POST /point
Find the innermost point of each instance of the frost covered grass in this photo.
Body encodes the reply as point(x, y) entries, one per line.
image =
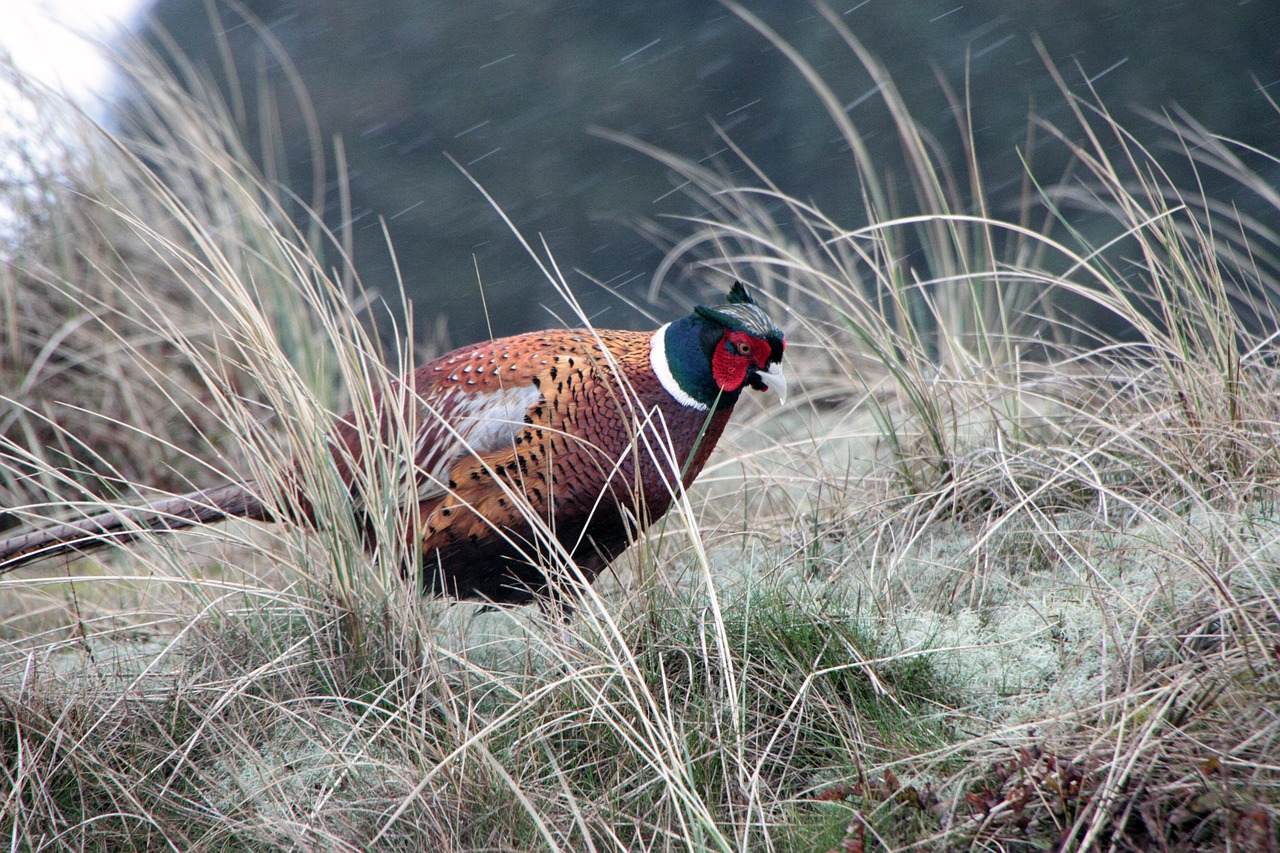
point(994, 582)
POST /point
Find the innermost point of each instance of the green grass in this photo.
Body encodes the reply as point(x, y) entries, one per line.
point(990, 583)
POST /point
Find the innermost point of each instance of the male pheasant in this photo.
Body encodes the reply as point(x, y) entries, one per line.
point(569, 441)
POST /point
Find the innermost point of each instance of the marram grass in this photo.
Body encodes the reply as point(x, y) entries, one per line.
point(994, 582)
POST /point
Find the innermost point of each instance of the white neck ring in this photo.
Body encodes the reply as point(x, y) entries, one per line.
point(662, 368)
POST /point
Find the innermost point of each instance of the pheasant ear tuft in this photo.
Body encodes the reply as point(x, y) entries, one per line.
point(738, 295)
point(740, 312)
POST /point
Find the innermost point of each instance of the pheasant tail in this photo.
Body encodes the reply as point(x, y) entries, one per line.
point(235, 500)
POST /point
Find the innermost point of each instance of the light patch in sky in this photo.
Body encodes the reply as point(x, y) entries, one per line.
point(57, 41)
point(57, 44)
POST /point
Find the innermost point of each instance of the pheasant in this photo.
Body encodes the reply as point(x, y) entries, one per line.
point(529, 450)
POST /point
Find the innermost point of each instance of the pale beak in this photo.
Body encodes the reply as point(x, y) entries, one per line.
point(774, 379)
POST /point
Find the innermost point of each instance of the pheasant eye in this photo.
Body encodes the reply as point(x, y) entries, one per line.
point(744, 348)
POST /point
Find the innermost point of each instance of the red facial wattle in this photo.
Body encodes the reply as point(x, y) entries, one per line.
point(736, 353)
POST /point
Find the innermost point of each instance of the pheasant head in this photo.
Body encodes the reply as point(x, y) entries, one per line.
point(706, 359)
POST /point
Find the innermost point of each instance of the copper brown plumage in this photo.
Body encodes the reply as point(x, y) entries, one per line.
point(595, 427)
point(529, 451)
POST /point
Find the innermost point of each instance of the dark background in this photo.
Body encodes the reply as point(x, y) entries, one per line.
point(510, 89)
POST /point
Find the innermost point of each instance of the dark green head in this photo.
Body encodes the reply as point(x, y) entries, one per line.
point(707, 358)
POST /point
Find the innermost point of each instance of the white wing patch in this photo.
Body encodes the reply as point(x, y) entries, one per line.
point(459, 424)
point(490, 420)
